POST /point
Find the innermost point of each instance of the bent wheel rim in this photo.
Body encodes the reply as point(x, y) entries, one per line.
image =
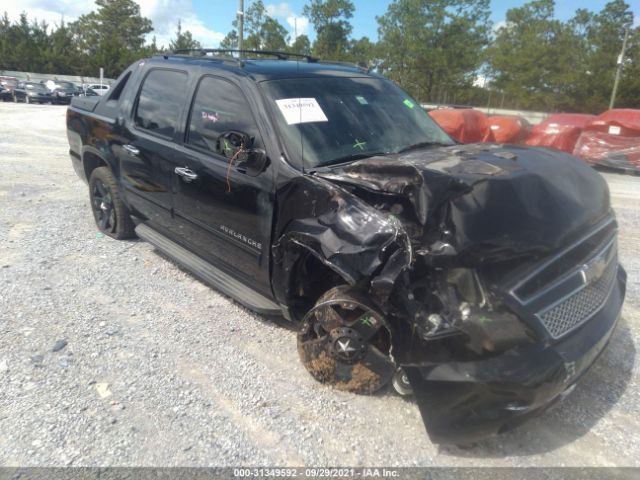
point(346, 344)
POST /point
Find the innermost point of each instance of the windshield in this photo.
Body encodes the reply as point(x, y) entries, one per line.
point(333, 120)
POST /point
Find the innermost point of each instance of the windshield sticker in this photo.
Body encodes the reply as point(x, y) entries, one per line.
point(362, 100)
point(409, 103)
point(210, 116)
point(301, 110)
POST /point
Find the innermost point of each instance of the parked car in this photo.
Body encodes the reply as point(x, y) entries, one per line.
point(8, 83)
point(100, 89)
point(483, 277)
point(5, 95)
point(32, 92)
point(87, 92)
point(61, 91)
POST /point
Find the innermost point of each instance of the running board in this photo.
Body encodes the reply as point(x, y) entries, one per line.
point(208, 273)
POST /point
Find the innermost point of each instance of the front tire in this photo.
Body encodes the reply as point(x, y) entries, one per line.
point(109, 211)
point(346, 342)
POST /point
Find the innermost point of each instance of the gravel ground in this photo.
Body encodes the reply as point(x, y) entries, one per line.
point(156, 369)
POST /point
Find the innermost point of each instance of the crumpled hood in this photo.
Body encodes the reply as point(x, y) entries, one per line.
point(486, 199)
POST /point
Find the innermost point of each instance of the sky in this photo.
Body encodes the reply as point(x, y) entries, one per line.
point(210, 20)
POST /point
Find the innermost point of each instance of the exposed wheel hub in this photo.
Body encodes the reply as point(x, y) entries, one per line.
point(347, 345)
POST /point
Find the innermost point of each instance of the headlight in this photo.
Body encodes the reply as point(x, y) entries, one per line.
point(61, 94)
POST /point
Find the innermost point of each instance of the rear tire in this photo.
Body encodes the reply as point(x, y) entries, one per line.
point(109, 211)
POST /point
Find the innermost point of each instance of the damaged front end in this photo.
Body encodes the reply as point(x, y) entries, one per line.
point(488, 273)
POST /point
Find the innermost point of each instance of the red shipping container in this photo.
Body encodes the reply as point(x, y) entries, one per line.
point(508, 128)
point(616, 151)
point(463, 124)
point(560, 131)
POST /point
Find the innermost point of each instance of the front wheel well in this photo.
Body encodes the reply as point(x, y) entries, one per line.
point(309, 280)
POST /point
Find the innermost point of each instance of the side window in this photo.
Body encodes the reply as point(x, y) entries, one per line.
point(161, 100)
point(218, 107)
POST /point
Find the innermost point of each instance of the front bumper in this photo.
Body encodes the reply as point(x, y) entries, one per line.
point(466, 401)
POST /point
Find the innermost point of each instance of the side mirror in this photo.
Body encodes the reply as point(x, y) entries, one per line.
point(231, 142)
point(256, 161)
point(239, 145)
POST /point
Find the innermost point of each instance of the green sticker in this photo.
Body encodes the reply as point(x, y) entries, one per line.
point(362, 100)
point(409, 103)
point(367, 320)
point(359, 144)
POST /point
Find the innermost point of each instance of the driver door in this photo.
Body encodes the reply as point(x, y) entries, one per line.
point(220, 211)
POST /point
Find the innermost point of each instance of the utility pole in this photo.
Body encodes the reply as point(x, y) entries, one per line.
point(619, 69)
point(240, 26)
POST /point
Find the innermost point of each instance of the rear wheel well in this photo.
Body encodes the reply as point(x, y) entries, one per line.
point(90, 162)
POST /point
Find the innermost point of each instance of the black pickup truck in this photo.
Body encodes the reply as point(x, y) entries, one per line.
point(483, 279)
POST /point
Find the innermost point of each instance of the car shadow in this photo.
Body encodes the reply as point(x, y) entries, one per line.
point(595, 395)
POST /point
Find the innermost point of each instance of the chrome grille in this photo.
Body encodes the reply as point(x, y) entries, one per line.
point(581, 305)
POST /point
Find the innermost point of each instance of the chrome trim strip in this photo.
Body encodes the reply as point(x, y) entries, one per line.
point(555, 258)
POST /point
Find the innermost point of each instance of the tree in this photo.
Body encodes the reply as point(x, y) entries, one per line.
point(433, 47)
point(60, 54)
point(261, 32)
point(530, 56)
point(230, 41)
point(301, 45)
point(273, 36)
point(112, 36)
point(362, 51)
point(544, 64)
point(330, 19)
point(629, 91)
point(603, 40)
point(183, 41)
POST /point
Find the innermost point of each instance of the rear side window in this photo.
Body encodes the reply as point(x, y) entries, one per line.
point(160, 102)
point(218, 107)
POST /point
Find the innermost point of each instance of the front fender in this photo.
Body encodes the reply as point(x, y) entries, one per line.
point(343, 232)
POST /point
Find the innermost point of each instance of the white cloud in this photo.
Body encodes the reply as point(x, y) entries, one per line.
point(163, 14)
point(51, 11)
point(282, 11)
point(498, 25)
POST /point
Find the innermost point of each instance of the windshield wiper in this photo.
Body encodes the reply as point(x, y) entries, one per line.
point(351, 157)
point(418, 145)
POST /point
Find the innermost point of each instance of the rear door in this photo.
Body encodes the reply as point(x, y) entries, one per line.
point(223, 213)
point(147, 148)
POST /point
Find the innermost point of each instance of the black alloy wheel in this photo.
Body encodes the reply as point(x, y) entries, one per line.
point(110, 213)
point(103, 208)
point(345, 342)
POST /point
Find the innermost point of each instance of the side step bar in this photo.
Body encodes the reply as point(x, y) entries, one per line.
point(208, 273)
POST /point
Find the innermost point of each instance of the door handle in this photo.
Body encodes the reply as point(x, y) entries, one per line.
point(131, 150)
point(187, 174)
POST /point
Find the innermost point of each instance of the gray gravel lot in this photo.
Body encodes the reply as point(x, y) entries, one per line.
point(158, 369)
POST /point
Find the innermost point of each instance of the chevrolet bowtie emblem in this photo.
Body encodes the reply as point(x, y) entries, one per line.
point(593, 270)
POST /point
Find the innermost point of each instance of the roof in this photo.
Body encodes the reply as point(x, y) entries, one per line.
point(269, 69)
